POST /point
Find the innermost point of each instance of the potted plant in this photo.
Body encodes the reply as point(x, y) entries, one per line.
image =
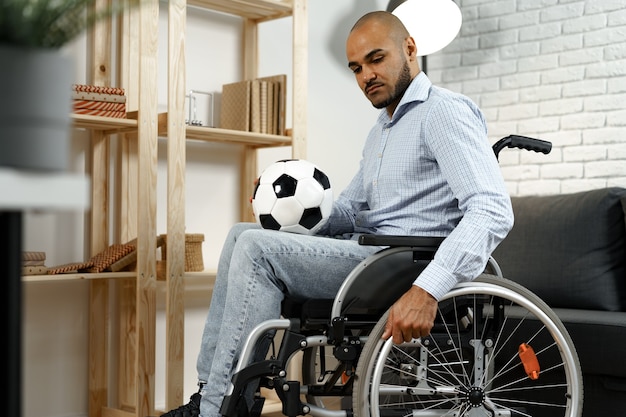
point(36, 77)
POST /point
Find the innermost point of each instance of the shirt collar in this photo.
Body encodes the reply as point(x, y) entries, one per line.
point(417, 91)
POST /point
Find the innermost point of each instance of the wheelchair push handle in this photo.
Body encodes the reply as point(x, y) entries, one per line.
point(522, 142)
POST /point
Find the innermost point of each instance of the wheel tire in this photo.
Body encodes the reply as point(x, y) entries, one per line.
point(506, 385)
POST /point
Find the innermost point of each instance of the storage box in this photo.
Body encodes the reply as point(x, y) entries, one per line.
point(193, 252)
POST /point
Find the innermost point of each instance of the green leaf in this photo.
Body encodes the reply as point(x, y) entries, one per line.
point(51, 23)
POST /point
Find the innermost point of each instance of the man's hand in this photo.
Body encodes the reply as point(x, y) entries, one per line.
point(256, 181)
point(412, 316)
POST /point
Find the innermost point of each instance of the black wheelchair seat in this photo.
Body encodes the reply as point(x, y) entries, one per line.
point(373, 286)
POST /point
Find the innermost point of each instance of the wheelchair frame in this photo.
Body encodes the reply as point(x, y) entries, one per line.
point(478, 361)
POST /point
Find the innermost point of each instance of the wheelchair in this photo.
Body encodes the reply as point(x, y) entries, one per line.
point(496, 349)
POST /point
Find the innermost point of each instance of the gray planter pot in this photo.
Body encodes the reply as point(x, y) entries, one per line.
point(35, 108)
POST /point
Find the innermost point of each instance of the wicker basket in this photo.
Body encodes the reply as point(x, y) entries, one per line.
point(193, 252)
point(161, 270)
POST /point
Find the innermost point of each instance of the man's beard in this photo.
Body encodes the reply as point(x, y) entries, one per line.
point(404, 79)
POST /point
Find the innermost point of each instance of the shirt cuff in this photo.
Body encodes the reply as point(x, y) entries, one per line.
point(435, 280)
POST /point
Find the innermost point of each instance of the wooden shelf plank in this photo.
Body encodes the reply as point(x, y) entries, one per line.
point(252, 9)
point(213, 134)
point(198, 284)
point(200, 278)
point(79, 276)
point(238, 137)
point(109, 125)
point(194, 281)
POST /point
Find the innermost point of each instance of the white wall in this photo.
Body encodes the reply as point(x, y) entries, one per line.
point(551, 68)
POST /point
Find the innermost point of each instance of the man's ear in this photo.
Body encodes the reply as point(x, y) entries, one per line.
point(411, 48)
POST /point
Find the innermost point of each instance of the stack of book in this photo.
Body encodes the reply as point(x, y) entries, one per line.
point(99, 101)
point(255, 105)
point(34, 263)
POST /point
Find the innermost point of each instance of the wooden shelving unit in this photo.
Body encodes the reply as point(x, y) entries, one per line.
point(134, 203)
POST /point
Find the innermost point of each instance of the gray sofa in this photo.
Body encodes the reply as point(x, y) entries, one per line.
point(571, 251)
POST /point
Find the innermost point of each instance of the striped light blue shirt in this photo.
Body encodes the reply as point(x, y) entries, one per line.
point(430, 171)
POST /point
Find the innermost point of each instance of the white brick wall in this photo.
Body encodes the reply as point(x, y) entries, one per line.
point(551, 69)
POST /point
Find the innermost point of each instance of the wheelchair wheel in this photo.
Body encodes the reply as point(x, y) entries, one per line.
point(496, 350)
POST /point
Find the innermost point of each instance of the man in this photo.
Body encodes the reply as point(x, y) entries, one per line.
point(427, 169)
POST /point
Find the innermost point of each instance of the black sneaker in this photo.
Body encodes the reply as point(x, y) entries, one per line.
point(191, 409)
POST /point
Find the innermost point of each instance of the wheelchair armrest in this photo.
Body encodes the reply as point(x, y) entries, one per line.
point(396, 240)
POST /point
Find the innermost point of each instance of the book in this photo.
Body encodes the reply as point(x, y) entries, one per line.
point(98, 89)
point(255, 106)
point(103, 113)
point(33, 256)
point(271, 113)
point(86, 95)
point(280, 100)
point(98, 105)
point(235, 107)
point(264, 106)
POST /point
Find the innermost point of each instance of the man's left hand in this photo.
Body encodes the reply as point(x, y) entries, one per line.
point(412, 316)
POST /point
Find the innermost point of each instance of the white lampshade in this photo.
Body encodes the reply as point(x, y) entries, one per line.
point(432, 23)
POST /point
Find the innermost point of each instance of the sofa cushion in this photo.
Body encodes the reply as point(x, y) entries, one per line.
point(569, 249)
point(599, 337)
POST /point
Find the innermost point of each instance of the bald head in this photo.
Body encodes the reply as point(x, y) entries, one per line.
point(386, 22)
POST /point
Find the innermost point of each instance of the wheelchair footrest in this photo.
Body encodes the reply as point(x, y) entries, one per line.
point(257, 407)
point(289, 394)
point(233, 403)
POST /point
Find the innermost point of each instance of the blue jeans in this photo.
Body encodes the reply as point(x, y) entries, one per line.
point(256, 269)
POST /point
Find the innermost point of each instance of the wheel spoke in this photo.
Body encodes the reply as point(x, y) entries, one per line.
point(470, 364)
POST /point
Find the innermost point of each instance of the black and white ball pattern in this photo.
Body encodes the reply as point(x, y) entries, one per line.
point(292, 195)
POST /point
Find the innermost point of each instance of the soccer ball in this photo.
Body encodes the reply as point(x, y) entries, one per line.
point(292, 195)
